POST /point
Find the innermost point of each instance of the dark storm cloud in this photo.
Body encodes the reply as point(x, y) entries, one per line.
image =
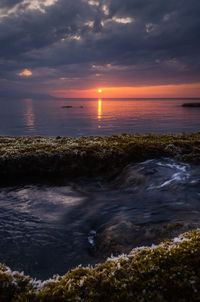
point(9, 3)
point(118, 42)
point(29, 29)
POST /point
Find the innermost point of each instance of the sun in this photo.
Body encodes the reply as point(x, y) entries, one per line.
point(99, 90)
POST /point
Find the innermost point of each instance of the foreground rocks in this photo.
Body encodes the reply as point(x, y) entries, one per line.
point(39, 156)
point(167, 272)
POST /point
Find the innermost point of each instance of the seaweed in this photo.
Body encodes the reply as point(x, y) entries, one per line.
point(167, 272)
point(92, 155)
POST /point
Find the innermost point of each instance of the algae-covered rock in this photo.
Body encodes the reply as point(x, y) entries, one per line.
point(25, 156)
point(167, 272)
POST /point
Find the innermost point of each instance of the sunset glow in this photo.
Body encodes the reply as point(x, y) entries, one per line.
point(162, 91)
point(91, 55)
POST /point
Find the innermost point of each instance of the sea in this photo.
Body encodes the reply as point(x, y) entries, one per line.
point(50, 226)
point(85, 117)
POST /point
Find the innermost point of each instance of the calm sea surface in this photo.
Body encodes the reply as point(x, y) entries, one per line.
point(97, 116)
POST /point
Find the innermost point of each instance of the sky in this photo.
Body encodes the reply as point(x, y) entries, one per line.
point(71, 48)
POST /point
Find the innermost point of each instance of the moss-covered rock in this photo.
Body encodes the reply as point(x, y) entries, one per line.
point(167, 272)
point(90, 155)
point(121, 236)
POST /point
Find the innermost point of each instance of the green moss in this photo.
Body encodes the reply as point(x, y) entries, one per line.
point(167, 272)
point(14, 285)
point(116, 143)
point(91, 155)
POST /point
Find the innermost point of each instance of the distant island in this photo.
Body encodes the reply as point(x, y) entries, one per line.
point(191, 105)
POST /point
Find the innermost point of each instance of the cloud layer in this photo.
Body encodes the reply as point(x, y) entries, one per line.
point(76, 44)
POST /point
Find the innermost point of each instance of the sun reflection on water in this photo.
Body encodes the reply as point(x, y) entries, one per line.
point(99, 109)
point(29, 115)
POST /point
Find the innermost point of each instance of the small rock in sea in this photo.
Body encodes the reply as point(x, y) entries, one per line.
point(67, 106)
point(81, 107)
point(191, 105)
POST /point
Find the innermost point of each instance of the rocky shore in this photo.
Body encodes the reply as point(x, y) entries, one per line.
point(167, 272)
point(39, 156)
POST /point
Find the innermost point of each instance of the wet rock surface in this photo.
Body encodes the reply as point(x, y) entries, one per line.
point(123, 236)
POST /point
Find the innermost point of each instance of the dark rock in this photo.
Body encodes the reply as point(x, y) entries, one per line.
point(67, 106)
point(191, 105)
point(122, 236)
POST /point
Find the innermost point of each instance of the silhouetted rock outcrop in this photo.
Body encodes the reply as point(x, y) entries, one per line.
point(191, 105)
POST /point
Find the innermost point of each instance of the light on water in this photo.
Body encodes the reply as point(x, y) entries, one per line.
point(99, 109)
point(77, 117)
point(30, 116)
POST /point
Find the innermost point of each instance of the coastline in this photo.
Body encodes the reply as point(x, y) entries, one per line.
point(89, 156)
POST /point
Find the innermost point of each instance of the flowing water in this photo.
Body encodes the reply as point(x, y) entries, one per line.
point(49, 228)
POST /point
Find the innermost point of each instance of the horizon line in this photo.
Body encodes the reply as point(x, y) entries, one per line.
point(139, 98)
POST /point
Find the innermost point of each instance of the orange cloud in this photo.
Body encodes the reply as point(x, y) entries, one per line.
point(25, 73)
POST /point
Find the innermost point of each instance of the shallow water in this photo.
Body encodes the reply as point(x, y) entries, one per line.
point(48, 228)
point(97, 116)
